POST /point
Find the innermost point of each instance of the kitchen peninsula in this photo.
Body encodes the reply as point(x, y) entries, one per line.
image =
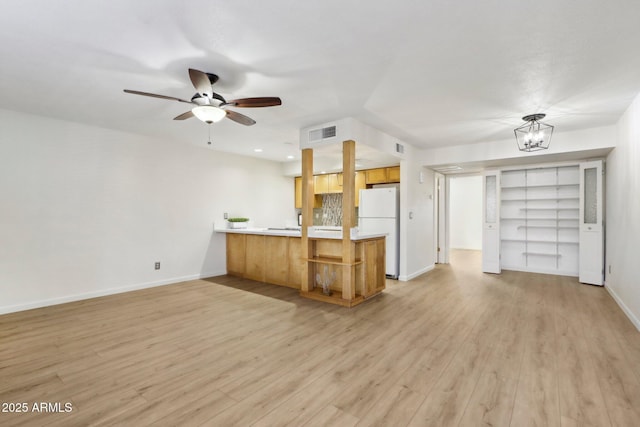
point(339, 266)
point(275, 256)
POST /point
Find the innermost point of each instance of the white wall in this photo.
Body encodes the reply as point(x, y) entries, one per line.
point(417, 234)
point(86, 211)
point(465, 212)
point(623, 214)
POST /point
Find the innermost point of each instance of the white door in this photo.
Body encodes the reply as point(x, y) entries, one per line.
point(491, 222)
point(591, 268)
point(442, 248)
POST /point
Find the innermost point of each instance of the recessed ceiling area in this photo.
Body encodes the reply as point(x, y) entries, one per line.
point(432, 74)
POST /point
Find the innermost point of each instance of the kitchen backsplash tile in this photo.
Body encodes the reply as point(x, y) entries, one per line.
point(332, 209)
point(317, 216)
point(330, 214)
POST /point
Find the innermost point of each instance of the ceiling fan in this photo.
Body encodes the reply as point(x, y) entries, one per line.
point(211, 107)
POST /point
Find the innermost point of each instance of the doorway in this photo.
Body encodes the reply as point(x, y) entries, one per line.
point(459, 215)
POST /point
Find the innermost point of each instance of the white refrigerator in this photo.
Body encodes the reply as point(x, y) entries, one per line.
point(379, 213)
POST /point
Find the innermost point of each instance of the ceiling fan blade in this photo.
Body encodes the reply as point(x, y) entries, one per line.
point(154, 95)
point(201, 82)
point(184, 116)
point(240, 118)
point(256, 102)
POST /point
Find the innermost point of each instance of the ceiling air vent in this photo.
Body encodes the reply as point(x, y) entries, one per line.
point(399, 148)
point(316, 135)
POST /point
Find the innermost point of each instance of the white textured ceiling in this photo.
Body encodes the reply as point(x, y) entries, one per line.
point(432, 73)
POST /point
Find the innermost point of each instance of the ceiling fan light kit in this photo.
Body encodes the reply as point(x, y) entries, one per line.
point(533, 135)
point(210, 107)
point(209, 113)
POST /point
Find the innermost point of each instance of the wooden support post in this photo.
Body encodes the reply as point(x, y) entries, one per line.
point(348, 219)
point(307, 219)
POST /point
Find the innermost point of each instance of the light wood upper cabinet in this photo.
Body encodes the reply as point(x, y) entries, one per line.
point(321, 184)
point(383, 175)
point(332, 183)
point(317, 200)
point(393, 174)
point(376, 176)
point(335, 183)
point(298, 189)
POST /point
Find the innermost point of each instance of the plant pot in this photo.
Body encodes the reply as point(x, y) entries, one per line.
point(236, 225)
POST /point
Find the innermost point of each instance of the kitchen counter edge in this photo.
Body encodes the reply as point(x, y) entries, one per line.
point(335, 235)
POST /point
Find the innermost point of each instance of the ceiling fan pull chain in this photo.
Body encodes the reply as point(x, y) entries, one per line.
point(209, 134)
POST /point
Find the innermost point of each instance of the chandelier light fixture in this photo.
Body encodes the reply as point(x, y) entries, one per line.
point(533, 135)
point(209, 113)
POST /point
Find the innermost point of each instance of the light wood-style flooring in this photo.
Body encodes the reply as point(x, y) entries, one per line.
point(454, 347)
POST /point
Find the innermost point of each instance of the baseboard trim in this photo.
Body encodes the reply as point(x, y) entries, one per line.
point(408, 277)
point(625, 309)
point(541, 271)
point(104, 292)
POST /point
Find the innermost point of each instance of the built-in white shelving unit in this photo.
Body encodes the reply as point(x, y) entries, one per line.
point(539, 219)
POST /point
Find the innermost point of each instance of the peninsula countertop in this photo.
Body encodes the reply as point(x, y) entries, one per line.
point(315, 232)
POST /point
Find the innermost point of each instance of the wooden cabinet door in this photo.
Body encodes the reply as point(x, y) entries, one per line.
point(376, 176)
point(276, 266)
point(321, 184)
point(295, 262)
point(393, 174)
point(236, 245)
point(298, 192)
point(254, 250)
point(335, 183)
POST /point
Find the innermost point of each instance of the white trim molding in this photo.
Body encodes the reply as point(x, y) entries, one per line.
point(625, 309)
point(105, 292)
point(413, 275)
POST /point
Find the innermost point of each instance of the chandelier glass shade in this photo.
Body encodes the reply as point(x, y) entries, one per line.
point(533, 135)
point(209, 113)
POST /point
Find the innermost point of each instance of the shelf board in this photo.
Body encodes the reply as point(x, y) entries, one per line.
point(334, 298)
point(539, 186)
point(540, 219)
point(561, 227)
point(550, 209)
point(552, 199)
point(541, 254)
point(540, 241)
point(331, 260)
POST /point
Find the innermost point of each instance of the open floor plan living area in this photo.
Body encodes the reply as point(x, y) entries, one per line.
point(321, 213)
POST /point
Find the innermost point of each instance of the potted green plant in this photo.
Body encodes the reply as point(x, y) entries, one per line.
point(238, 222)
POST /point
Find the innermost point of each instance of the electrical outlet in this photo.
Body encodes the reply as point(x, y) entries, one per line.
point(226, 215)
point(157, 265)
point(609, 268)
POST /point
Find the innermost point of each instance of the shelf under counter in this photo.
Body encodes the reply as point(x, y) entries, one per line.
point(332, 261)
point(334, 298)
